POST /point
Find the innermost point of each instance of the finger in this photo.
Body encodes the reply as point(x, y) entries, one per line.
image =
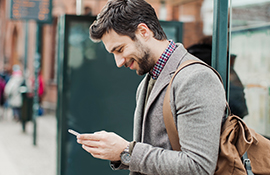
point(100, 132)
point(95, 137)
point(89, 143)
point(94, 151)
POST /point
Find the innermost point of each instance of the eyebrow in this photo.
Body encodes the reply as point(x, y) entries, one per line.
point(114, 48)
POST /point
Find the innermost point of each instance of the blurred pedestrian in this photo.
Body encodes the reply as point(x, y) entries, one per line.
point(2, 98)
point(2, 87)
point(41, 91)
point(6, 73)
point(12, 92)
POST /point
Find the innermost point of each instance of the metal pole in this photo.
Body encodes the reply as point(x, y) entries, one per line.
point(36, 83)
point(2, 40)
point(220, 32)
point(25, 50)
point(229, 50)
point(25, 70)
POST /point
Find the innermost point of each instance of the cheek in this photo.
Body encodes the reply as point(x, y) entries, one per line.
point(130, 55)
point(132, 52)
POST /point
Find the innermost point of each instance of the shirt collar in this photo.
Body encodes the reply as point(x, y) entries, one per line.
point(162, 60)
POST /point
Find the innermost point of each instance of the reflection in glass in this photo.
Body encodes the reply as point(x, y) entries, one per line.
point(170, 32)
point(80, 46)
point(250, 41)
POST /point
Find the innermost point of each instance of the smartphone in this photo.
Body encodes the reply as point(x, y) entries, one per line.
point(73, 132)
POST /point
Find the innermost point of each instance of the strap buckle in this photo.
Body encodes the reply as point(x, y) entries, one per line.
point(247, 165)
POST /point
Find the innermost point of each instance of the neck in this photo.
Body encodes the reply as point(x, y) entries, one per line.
point(158, 48)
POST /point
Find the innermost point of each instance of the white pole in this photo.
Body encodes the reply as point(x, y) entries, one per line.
point(79, 7)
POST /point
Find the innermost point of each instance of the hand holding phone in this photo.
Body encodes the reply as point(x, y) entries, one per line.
point(73, 132)
point(103, 145)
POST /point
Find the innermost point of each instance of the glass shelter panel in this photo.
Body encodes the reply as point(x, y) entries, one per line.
point(197, 18)
point(250, 59)
point(93, 94)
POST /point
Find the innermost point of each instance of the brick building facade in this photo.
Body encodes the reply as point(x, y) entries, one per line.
point(12, 35)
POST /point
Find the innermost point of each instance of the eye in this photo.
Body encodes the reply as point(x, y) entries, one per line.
point(120, 50)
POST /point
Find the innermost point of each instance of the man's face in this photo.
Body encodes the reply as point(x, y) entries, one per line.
point(133, 54)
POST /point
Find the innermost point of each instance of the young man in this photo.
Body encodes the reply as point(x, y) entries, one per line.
point(131, 31)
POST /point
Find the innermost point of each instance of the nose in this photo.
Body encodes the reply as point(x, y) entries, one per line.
point(119, 60)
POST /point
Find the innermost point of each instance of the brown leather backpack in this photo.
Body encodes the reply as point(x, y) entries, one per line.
point(236, 139)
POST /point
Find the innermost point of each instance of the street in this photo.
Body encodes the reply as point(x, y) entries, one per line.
point(18, 155)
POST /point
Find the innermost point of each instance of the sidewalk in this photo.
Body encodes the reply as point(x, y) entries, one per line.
point(18, 155)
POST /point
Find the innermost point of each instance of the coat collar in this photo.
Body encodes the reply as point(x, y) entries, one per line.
point(166, 74)
point(161, 83)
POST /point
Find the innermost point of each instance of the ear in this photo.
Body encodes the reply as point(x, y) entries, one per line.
point(143, 31)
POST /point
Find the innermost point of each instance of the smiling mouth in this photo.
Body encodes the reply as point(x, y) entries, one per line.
point(130, 63)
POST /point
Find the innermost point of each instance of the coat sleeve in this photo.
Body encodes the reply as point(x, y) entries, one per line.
point(198, 105)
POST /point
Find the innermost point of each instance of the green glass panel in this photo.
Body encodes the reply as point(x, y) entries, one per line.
point(93, 95)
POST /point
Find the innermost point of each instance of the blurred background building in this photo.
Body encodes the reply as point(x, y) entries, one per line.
point(12, 36)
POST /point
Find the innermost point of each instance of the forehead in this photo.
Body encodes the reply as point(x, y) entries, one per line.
point(112, 39)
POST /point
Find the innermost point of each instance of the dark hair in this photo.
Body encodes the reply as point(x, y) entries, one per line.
point(123, 16)
point(202, 51)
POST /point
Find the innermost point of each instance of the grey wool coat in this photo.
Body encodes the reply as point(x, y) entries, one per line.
point(198, 104)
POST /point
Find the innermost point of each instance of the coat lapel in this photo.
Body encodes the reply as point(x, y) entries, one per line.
point(164, 79)
point(138, 115)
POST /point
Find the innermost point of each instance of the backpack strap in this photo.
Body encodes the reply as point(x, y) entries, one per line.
point(169, 120)
point(167, 113)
